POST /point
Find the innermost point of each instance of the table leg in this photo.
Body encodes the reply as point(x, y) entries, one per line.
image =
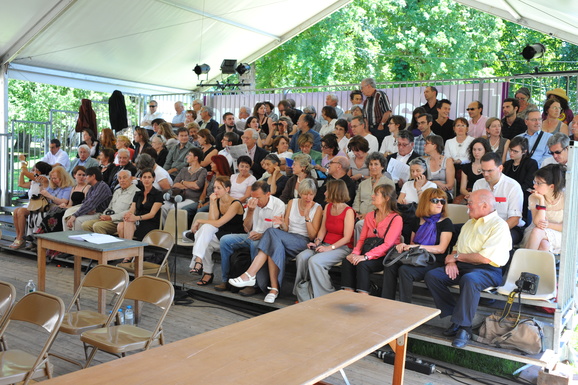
point(400, 349)
point(41, 260)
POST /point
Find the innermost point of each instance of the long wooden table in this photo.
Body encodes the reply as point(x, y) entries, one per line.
point(102, 253)
point(299, 344)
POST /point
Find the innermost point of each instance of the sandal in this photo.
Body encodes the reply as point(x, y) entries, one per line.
point(271, 297)
point(18, 244)
point(204, 282)
point(239, 282)
point(197, 268)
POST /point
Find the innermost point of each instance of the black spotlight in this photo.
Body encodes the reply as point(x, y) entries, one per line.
point(242, 68)
point(202, 69)
point(534, 51)
point(228, 66)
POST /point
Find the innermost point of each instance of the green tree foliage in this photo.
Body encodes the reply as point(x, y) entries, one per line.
point(400, 40)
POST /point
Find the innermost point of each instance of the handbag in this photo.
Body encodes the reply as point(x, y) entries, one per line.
point(371, 243)
point(416, 256)
point(38, 203)
point(510, 332)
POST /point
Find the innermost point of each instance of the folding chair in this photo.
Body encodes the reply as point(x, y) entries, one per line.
point(121, 339)
point(101, 277)
point(45, 311)
point(7, 299)
point(181, 225)
point(157, 240)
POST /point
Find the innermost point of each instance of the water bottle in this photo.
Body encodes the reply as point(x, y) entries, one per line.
point(128, 316)
point(30, 287)
point(120, 317)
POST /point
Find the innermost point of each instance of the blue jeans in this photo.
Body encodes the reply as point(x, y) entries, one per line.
point(230, 243)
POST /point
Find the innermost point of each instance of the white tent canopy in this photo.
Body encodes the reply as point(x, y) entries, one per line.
point(146, 42)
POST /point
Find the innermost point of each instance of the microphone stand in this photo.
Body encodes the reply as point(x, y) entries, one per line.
point(179, 293)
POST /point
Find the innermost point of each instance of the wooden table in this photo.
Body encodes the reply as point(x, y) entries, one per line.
point(299, 344)
point(103, 253)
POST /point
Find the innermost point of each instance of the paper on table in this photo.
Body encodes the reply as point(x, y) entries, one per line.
point(96, 238)
point(398, 170)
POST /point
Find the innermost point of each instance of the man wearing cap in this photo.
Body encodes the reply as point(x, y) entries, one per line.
point(523, 96)
point(558, 94)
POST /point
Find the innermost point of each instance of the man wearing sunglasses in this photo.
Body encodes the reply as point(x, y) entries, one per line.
point(152, 114)
point(558, 145)
point(477, 122)
point(474, 264)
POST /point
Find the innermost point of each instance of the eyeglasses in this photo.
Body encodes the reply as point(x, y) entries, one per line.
point(534, 120)
point(325, 147)
point(403, 144)
point(435, 201)
point(514, 151)
point(558, 152)
point(470, 109)
point(524, 99)
point(538, 183)
point(152, 106)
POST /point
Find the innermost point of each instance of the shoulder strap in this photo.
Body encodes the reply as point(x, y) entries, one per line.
point(536, 143)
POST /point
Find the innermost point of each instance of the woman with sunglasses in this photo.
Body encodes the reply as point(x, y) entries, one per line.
point(432, 231)
point(384, 222)
point(521, 167)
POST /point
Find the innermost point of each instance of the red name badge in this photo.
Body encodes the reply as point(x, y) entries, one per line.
point(268, 220)
point(501, 199)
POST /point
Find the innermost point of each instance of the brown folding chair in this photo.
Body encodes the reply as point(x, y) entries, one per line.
point(101, 277)
point(157, 240)
point(121, 339)
point(7, 299)
point(45, 311)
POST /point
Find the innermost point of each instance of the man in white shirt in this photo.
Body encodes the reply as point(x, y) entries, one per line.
point(477, 122)
point(56, 157)
point(261, 209)
point(244, 113)
point(332, 100)
point(179, 118)
point(507, 191)
point(359, 127)
point(558, 145)
point(152, 115)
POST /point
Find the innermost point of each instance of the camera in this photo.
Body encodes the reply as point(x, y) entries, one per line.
point(528, 283)
point(109, 212)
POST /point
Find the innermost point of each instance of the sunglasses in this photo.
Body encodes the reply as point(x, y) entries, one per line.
point(435, 201)
point(470, 109)
point(557, 152)
point(150, 105)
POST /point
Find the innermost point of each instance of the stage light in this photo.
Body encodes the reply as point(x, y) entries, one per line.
point(242, 68)
point(228, 66)
point(201, 69)
point(534, 51)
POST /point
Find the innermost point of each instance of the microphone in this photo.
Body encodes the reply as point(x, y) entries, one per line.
point(167, 196)
point(178, 199)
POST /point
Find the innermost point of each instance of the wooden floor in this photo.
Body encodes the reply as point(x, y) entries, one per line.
point(200, 316)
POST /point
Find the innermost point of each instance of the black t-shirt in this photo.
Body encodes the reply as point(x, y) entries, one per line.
point(518, 127)
point(446, 131)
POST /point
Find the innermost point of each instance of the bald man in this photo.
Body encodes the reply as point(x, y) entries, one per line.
point(483, 247)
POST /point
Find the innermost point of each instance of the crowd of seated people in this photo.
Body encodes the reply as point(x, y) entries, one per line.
point(316, 189)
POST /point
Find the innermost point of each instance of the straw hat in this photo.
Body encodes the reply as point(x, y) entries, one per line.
point(558, 92)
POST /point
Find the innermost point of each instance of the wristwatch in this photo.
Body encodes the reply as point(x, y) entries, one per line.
point(456, 256)
point(332, 247)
